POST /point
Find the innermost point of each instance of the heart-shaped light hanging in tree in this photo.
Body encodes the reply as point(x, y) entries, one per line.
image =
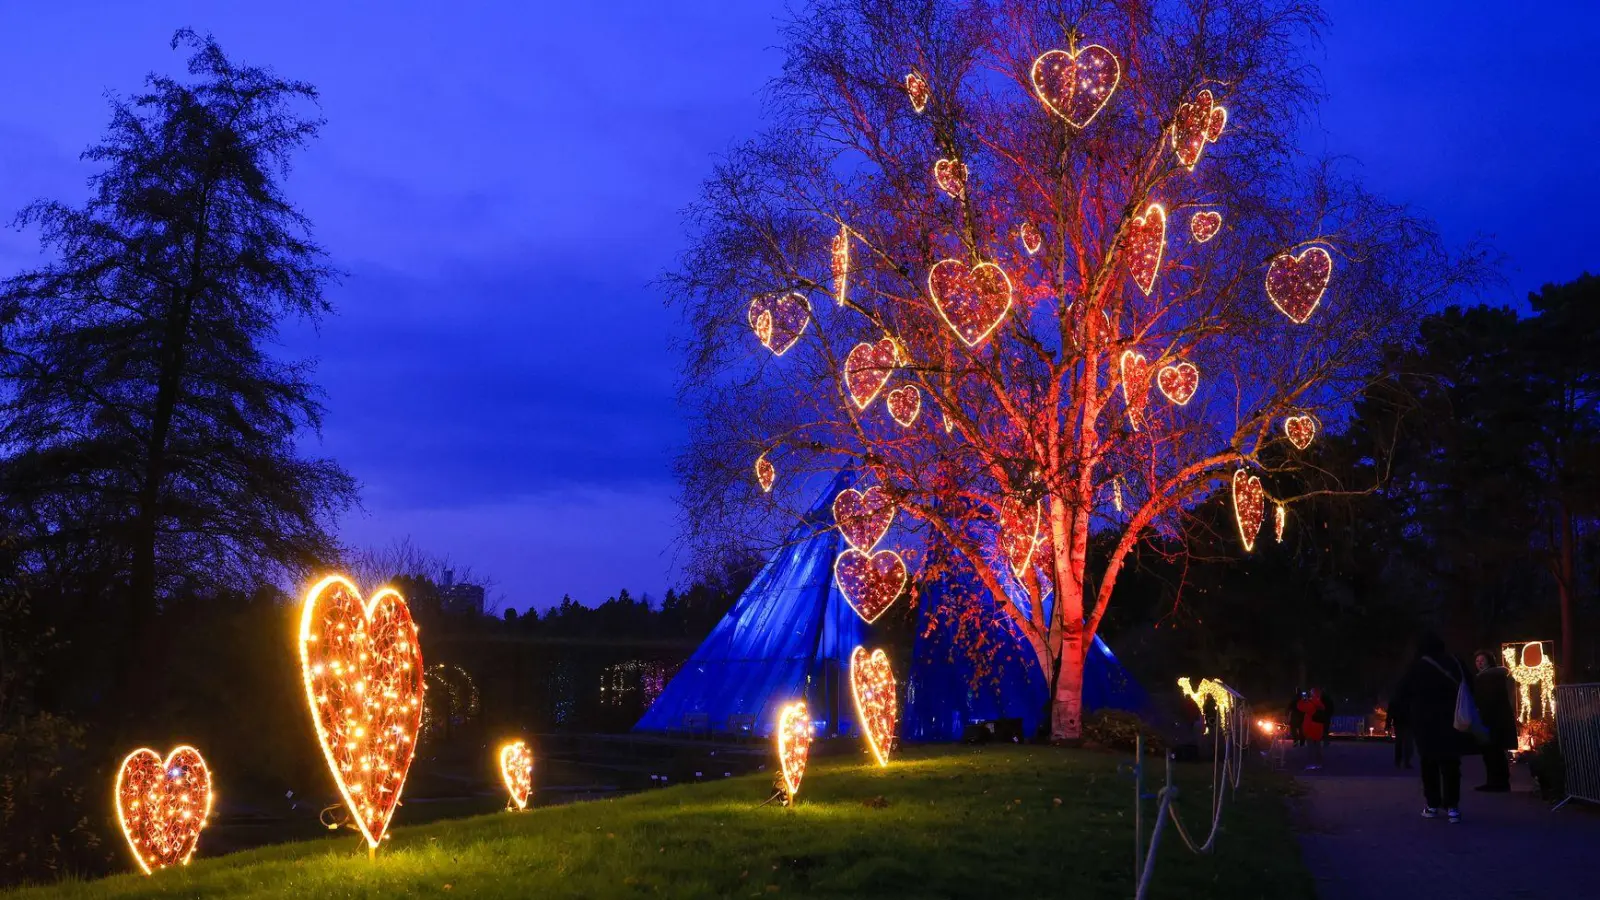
point(1197, 123)
point(1147, 243)
point(362, 665)
point(867, 369)
point(1204, 225)
point(841, 264)
point(779, 319)
point(917, 91)
point(765, 473)
point(1032, 240)
point(1019, 532)
point(1178, 383)
point(1295, 284)
point(793, 737)
point(872, 685)
point(972, 300)
point(951, 177)
point(516, 771)
point(863, 517)
point(870, 583)
point(1135, 371)
point(1076, 85)
point(162, 805)
point(1300, 430)
point(905, 404)
point(1249, 507)
point(1280, 516)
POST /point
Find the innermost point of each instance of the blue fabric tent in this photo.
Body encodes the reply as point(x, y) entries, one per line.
point(788, 637)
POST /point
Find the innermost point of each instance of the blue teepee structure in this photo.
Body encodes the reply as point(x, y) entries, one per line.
point(788, 637)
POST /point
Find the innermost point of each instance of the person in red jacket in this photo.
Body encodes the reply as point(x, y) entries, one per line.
point(1315, 725)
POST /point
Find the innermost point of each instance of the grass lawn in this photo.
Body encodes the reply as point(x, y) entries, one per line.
point(959, 822)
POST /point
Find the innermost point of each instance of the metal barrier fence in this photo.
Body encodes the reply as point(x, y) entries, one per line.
point(1578, 731)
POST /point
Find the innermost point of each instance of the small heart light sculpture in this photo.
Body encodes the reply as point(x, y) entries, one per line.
point(1019, 532)
point(971, 300)
point(905, 403)
point(1147, 242)
point(917, 91)
point(362, 664)
point(1204, 225)
point(870, 583)
point(1178, 383)
point(1295, 284)
point(863, 517)
point(765, 473)
point(1076, 86)
point(867, 369)
point(1280, 517)
point(951, 177)
point(841, 264)
point(793, 736)
point(779, 319)
point(516, 771)
point(1300, 430)
point(872, 685)
point(1032, 240)
point(162, 805)
point(1197, 123)
point(1135, 385)
point(1249, 506)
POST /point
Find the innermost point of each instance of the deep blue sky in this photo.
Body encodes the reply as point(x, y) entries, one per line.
point(502, 181)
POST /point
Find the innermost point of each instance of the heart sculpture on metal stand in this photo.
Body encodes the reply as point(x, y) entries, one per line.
point(872, 685)
point(793, 736)
point(516, 772)
point(162, 805)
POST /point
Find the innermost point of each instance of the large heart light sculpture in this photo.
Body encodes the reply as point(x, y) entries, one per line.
point(793, 736)
point(971, 299)
point(1135, 385)
point(1032, 240)
point(1300, 430)
point(1249, 507)
point(841, 264)
point(905, 404)
point(870, 583)
point(867, 369)
point(951, 177)
point(863, 517)
point(1019, 532)
point(1178, 383)
point(516, 772)
point(1147, 242)
point(1204, 225)
point(1076, 86)
point(872, 685)
point(766, 474)
point(917, 91)
point(162, 805)
point(779, 319)
point(362, 664)
point(1197, 123)
point(1295, 284)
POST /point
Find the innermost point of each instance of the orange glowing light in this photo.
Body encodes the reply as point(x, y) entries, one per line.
point(766, 474)
point(1300, 430)
point(1032, 240)
point(1116, 493)
point(867, 369)
point(1280, 518)
point(1204, 225)
point(1147, 243)
point(1295, 284)
point(1249, 506)
point(971, 300)
point(905, 404)
point(951, 177)
point(1076, 85)
point(917, 91)
point(841, 264)
point(779, 319)
point(1135, 385)
point(1178, 383)
point(870, 583)
point(1197, 123)
point(863, 517)
point(516, 772)
point(1019, 532)
point(362, 664)
point(794, 746)
point(162, 805)
point(872, 685)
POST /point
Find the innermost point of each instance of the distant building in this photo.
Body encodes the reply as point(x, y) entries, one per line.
point(460, 598)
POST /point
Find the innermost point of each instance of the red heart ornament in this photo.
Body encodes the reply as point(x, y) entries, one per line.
point(793, 736)
point(1178, 382)
point(162, 805)
point(1019, 532)
point(1147, 242)
point(1196, 124)
point(1205, 225)
point(841, 264)
point(779, 319)
point(1295, 284)
point(1135, 385)
point(917, 91)
point(1076, 86)
point(1300, 430)
point(867, 369)
point(863, 517)
point(971, 300)
point(1219, 121)
point(870, 584)
point(765, 473)
point(872, 685)
point(1280, 516)
point(951, 177)
point(1032, 240)
point(905, 404)
point(363, 672)
point(1249, 506)
point(516, 772)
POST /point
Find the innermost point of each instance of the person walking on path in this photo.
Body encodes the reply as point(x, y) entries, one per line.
point(1492, 690)
point(1426, 699)
point(1401, 729)
point(1313, 726)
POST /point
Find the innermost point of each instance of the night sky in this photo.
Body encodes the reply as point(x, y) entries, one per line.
point(501, 183)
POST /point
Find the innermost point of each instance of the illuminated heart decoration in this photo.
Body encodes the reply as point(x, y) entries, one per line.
point(1295, 284)
point(971, 300)
point(917, 91)
point(867, 369)
point(863, 517)
point(162, 805)
point(1197, 123)
point(904, 403)
point(1032, 240)
point(951, 176)
point(779, 319)
point(765, 473)
point(1147, 241)
point(1076, 86)
point(1178, 382)
point(870, 584)
point(1249, 506)
point(516, 771)
point(1300, 430)
point(794, 745)
point(1205, 225)
point(363, 672)
point(872, 685)
point(1135, 385)
point(841, 264)
point(1019, 532)
point(1280, 516)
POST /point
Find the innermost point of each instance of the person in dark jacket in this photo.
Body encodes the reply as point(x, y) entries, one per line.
point(1426, 699)
point(1492, 690)
point(1396, 720)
